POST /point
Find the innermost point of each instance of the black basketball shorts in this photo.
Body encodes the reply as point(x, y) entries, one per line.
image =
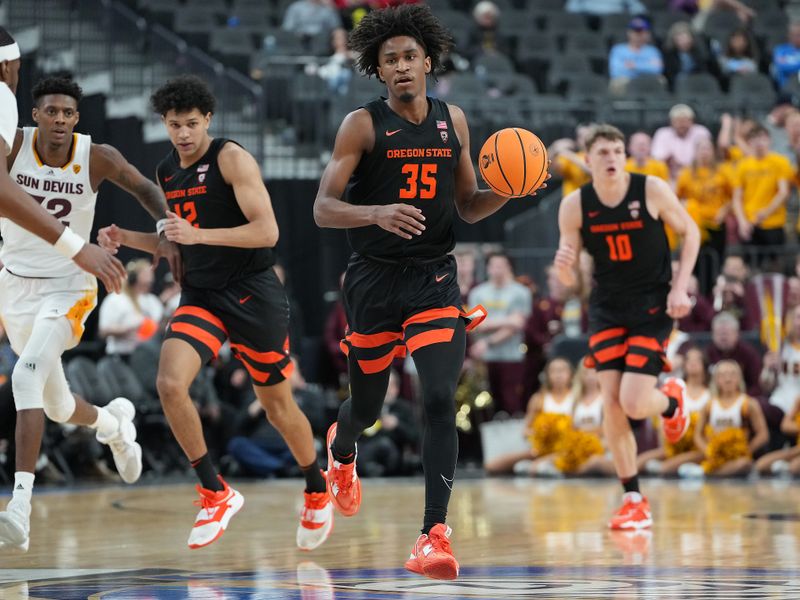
point(394, 308)
point(630, 334)
point(252, 312)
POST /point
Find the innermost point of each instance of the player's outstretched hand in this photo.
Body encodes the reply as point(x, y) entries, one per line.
point(543, 185)
point(180, 231)
point(170, 252)
point(101, 264)
point(110, 238)
point(678, 304)
point(401, 219)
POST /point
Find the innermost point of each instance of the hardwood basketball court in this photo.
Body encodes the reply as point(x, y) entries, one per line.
point(514, 539)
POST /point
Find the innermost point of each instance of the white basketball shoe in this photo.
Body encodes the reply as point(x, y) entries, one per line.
point(127, 452)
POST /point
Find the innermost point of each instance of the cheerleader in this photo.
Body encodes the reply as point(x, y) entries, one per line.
point(786, 460)
point(667, 458)
point(731, 428)
point(582, 451)
point(547, 419)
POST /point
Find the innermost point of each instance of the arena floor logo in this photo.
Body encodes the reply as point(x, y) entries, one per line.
point(313, 582)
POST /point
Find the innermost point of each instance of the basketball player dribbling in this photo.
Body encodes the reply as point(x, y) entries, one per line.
point(619, 219)
point(222, 219)
point(45, 298)
point(406, 165)
point(19, 207)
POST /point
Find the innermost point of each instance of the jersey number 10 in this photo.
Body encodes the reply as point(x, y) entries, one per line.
point(619, 247)
point(421, 181)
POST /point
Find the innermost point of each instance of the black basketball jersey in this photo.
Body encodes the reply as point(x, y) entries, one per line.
point(629, 247)
point(200, 195)
point(412, 164)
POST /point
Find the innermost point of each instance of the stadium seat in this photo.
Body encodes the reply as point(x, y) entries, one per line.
point(453, 19)
point(585, 41)
point(511, 84)
point(647, 87)
point(752, 91)
point(564, 68)
point(587, 86)
point(122, 381)
point(283, 43)
point(195, 27)
point(84, 380)
point(490, 63)
point(251, 19)
point(232, 48)
point(697, 84)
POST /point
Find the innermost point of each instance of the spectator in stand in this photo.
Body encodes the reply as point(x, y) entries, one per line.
point(706, 187)
point(781, 377)
point(634, 58)
point(133, 316)
point(465, 267)
point(702, 313)
point(792, 129)
point(775, 124)
point(335, 330)
point(676, 143)
point(605, 7)
point(761, 189)
point(338, 70)
point(569, 160)
point(685, 54)
point(485, 36)
point(786, 57)
point(381, 449)
point(309, 18)
point(726, 345)
point(640, 159)
point(733, 294)
point(740, 55)
point(560, 312)
point(498, 341)
point(702, 8)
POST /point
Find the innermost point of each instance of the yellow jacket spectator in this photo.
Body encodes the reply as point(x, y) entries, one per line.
point(761, 188)
point(569, 160)
point(640, 161)
point(707, 189)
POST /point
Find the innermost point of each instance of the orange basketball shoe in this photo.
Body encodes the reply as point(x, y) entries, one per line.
point(634, 513)
point(216, 510)
point(316, 520)
point(675, 427)
point(432, 555)
point(344, 487)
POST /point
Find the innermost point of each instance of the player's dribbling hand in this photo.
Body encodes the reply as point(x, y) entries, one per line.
point(101, 264)
point(110, 238)
point(678, 304)
point(401, 219)
point(180, 231)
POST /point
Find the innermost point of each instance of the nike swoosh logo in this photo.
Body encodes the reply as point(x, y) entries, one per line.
point(593, 213)
point(391, 133)
point(448, 482)
point(166, 179)
point(440, 278)
point(653, 310)
point(245, 299)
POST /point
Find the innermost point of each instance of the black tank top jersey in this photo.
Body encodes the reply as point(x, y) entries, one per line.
point(412, 164)
point(200, 194)
point(629, 247)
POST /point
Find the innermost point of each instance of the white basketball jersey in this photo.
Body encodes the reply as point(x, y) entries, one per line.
point(721, 418)
point(696, 405)
point(66, 192)
point(588, 417)
point(788, 388)
point(552, 406)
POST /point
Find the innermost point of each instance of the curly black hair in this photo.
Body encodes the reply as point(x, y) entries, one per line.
point(412, 20)
point(56, 85)
point(183, 94)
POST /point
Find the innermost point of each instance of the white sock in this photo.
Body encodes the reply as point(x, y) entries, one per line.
point(106, 423)
point(632, 497)
point(23, 486)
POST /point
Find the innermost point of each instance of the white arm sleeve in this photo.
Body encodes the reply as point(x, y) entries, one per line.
point(8, 117)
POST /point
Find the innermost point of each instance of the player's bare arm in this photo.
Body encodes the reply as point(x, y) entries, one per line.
point(109, 164)
point(663, 202)
point(240, 170)
point(112, 238)
point(745, 226)
point(569, 243)
point(355, 137)
point(780, 198)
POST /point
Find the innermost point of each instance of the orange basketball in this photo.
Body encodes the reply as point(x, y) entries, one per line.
point(513, 162)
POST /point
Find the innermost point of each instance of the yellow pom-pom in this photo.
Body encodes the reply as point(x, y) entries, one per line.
point(686, 443)
point(576, 448)
point(548, 434)
point(723, 447)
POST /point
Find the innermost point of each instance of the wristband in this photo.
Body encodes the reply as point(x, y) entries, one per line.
point(160, 224)
point(69, 243)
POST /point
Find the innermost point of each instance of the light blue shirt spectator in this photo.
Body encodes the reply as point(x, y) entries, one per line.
point(605, 7)
point(786, 57)
point(628, 62)
point(310, 17)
